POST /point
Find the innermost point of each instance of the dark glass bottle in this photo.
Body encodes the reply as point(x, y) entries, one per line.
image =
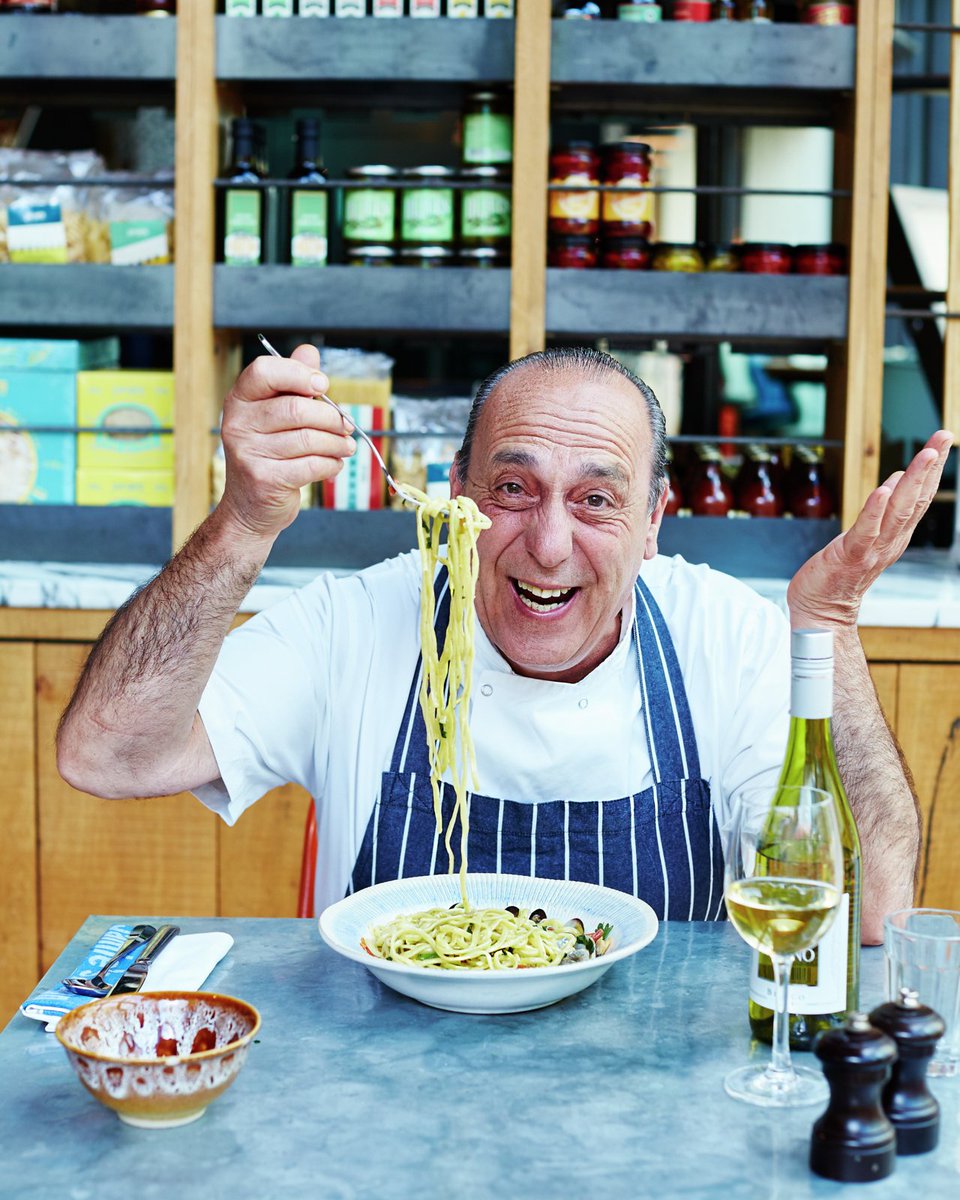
point(306, 241)
point(724, 10)
point(242, 212)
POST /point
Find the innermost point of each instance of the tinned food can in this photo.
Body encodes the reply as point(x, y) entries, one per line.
point(370, 206)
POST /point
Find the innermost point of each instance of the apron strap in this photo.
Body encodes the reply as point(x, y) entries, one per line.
point(670, 737)
point(412, 715)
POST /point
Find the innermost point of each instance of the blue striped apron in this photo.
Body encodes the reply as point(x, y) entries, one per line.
point(661, 844)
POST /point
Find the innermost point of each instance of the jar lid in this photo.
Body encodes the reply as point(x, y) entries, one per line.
point(487, 171)
point(627, 243)
point(572, 240)
point(371, 171)
point(626, 146)
point(483, 95)
point(574, 147)
point(776, 247)
point(377, 250)
point(480, 252)
point(430, 172)
point(822, 248)
point(426, 252)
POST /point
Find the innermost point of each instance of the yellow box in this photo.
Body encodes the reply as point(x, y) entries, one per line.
point(151, 488)
point(129, 401)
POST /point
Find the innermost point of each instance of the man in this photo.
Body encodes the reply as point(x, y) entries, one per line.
point(620, 699)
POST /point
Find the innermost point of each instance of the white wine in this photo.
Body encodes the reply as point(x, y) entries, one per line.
point(780, 915)
point(824, 981)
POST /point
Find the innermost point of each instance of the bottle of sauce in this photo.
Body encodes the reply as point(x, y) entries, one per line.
point(810, 495)
point(630, 214)
point(710, 493)
point(758, 493)
point(307, 207)
point(243, 203)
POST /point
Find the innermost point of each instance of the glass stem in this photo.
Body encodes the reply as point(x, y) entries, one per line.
point(780, 1064)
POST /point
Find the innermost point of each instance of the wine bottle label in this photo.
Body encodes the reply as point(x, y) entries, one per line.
point(308, 234)
point(818, 977)
point(241, 243)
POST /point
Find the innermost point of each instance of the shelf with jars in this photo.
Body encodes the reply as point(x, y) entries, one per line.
point(87, 46)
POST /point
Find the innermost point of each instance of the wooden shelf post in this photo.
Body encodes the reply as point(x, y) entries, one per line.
point(531, 152)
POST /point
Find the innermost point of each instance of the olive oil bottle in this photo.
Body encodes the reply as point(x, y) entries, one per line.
point(306, 225)
point(242, 217)
point(824, 981)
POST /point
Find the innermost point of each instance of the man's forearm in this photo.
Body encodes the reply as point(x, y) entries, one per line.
point(132, 728)
point(879, 788)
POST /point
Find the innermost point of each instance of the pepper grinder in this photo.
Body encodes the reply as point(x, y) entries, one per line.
point(916, 1029)
point(854, 1141)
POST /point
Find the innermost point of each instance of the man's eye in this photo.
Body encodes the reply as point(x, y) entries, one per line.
point(511, 488)
point(595, 500)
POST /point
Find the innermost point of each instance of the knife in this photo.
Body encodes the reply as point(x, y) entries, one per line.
point(132, 978)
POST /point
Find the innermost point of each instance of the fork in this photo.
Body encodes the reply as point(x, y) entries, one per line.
point(396, 487)
point(96, 985)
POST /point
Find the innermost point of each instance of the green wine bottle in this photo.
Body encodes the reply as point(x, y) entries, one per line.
point(824, 981)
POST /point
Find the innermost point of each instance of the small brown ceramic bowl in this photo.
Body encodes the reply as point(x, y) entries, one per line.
point(158, 1058)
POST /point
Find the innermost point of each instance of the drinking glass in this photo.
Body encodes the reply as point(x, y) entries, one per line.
point(783, 879)
point(922, 951)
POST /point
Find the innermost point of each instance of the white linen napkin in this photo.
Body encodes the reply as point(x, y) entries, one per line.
point(182, 965)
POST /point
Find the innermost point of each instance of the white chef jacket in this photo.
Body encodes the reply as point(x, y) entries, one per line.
point(312, 691)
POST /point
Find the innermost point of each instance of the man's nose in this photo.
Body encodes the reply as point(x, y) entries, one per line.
point(550, 533)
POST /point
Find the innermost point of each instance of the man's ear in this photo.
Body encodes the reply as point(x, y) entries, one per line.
point(650, 545)
point(456, 487)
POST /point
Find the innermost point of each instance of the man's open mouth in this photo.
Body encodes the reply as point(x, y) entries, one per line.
point(539, 599)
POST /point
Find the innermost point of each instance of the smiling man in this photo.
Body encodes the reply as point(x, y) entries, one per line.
point(620, 697)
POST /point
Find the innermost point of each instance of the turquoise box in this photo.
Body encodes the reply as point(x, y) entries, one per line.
point(58, 354)
point(38, 445)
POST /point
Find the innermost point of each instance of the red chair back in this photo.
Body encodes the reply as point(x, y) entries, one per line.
point(308, 865)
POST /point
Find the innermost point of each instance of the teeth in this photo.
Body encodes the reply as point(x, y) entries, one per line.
point(537, 607)
point(547, 593)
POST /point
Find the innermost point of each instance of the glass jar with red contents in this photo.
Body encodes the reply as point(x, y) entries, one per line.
point(766, 258)
point(627, 214)
point(692, 10)
point(810, 494)
point(576, 252)
point(574, 213)
point(758, 491)
point(710, 493)
point(626, 254)
point(827, 12)
point(830, 259)
point(674, 494)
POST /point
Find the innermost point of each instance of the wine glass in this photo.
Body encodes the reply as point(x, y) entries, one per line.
point(783, 879)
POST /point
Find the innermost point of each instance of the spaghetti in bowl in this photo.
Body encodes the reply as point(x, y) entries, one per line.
point(346, 927)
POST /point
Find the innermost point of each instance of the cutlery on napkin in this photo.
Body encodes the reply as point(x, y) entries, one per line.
point(135, 975)
point(184, 965)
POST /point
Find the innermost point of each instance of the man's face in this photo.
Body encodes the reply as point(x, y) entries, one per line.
point(560, 464)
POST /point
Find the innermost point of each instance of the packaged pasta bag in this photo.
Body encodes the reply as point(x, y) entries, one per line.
point(139, 220)
point(49, 220)
point(427, 435)
point(361, 383)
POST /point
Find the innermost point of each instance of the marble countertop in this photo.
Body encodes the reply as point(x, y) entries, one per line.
point(922, 590)
point(353, 1091)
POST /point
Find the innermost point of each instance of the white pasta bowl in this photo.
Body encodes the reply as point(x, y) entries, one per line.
point(634, 922)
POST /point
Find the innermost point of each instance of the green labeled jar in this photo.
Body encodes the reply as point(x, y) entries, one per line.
point(426, 211)
point(370, 206)
point(485, 210)
point(487, 131)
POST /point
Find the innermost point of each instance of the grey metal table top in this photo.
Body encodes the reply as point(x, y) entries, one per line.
point(354, 1091)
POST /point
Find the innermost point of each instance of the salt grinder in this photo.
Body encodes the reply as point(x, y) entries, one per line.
point(914, 1112)
point(854, 1141)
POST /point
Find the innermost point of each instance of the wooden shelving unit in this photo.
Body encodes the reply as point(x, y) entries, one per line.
point(783, 72)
